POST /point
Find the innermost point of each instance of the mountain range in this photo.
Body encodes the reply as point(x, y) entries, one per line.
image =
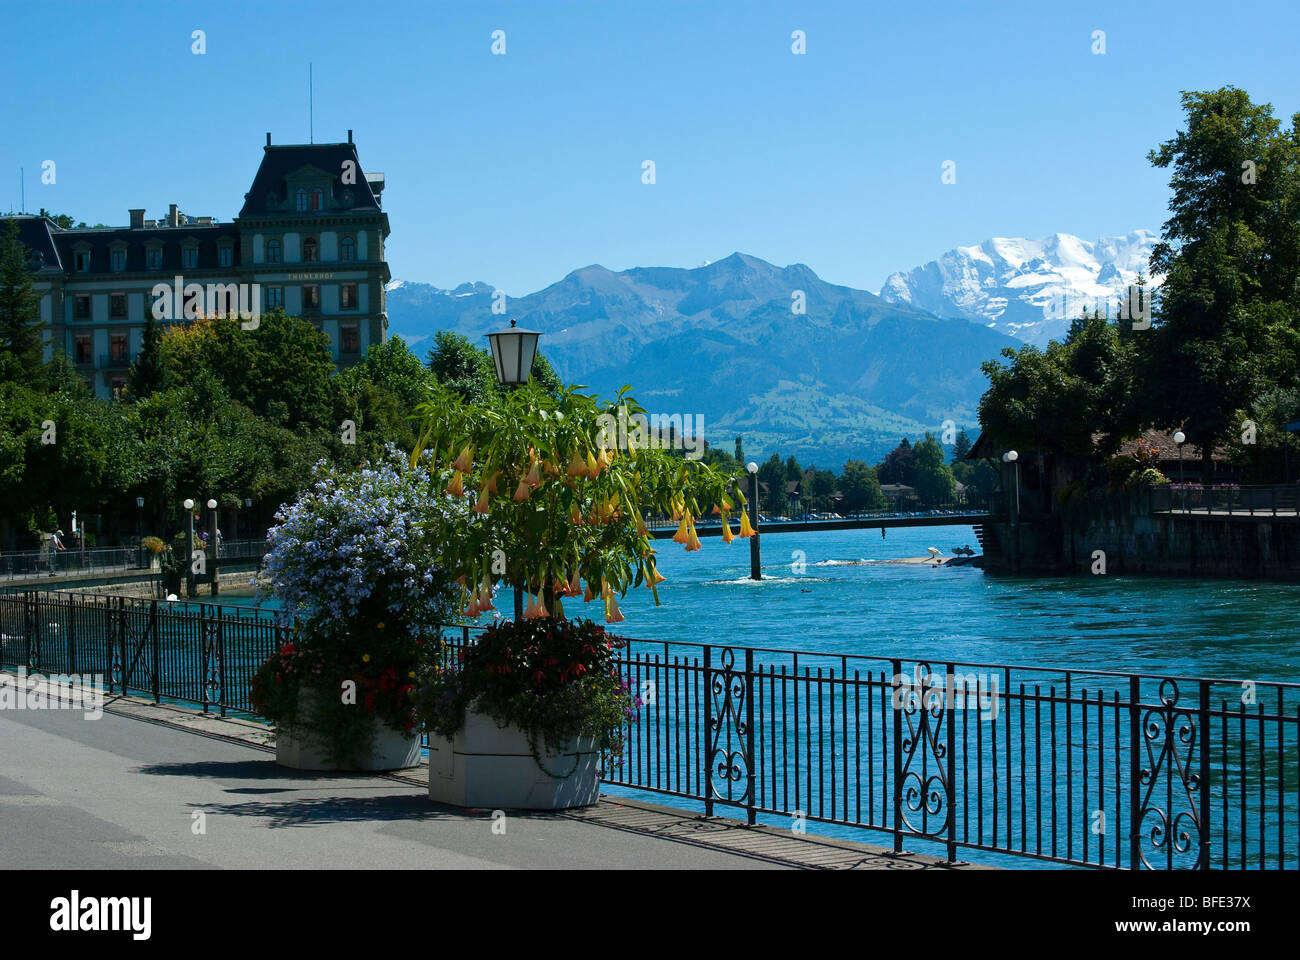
point(794, 364)
point(1028, 289)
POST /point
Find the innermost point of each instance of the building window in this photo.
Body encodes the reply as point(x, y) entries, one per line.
point(348, 296)
point(310, 254)
point(153, 258)
point(301, 196)
point(117, 348)
point(351, 337)
point(348, 249)
point(117, 304)
point(318, 200)
point(225, 256)
point(83, 348)
point(274, 297)
point(119, 260)
point(273, 251)
point(311, 295)
point(190, 257)
point(82, 307)
point(81, 260)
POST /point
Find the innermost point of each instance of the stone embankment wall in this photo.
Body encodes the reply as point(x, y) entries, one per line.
point(1123, 536)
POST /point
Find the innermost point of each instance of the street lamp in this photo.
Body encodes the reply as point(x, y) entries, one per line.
point(212, 539)
point(248, 516)
point(512, 354)
point(755, 563)
point(188, 504)
point(139, 517)
point(1011, 456)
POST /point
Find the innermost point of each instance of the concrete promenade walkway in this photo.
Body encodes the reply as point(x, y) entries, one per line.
point(122, 791)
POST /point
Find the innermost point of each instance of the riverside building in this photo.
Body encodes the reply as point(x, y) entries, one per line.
point(310, 233)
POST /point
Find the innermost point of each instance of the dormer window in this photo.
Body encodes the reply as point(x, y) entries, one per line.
point(301, 196)
point(225, 256)
point(273, 251)
point(118, 260)
point(153, 258)
point(318, 199)
point(81, 261)
point(190, 257)
point(310, 252)
point(348, 249)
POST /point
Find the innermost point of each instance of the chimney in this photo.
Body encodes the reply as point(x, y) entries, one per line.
point(349, 136)
point(173, 216)
point(137, 218)
point(268, 138)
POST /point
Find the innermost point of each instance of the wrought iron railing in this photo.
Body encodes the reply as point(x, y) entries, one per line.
point(972, 505)
point(1078, 767)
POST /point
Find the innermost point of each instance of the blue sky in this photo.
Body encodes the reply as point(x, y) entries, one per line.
point(516, 169)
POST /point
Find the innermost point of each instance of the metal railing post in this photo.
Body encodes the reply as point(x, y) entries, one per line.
point(1134, 772)
point(157, 647)
point(221, 658)
point(897, 791)
point(708, 731)
point(951, 697)
point(1203, 778)
point(750, 807)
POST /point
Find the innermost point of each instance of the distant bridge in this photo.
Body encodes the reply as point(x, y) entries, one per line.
point(959, 516)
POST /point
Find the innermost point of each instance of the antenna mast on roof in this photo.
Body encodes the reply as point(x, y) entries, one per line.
point(22, 180)
point(311, 106)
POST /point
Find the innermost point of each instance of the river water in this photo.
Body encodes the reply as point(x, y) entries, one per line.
point(839, 593)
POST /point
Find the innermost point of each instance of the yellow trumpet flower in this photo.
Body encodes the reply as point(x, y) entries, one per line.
point(655, 576)
point(491, 485)
point(465, 462)
point(559, 608)
point(727, 535)
point(534, 478)
point(522, 492)
point(593, 469)
point(481, 505)
point(577, 466)
point(457, 487)
point(575, 587)
point(745, 529)
point(681, 536)
point(612, 613)
point(588, 596)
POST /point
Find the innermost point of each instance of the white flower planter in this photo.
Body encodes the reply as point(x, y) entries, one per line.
point(390, 749)
point(489, 766)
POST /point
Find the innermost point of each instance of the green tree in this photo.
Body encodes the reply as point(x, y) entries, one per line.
point(772, 473)
point(1230, 253)
point(21, 340)
point(899, 465)
point(934, 480)
point(860, 488)
point(961, 449)
point(147, 371)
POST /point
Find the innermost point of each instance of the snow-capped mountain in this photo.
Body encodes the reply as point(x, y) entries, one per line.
point(1028, 289)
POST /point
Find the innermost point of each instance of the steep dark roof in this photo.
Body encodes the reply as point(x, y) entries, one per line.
point(280, 162)
point(36, 233)
point(173, 239)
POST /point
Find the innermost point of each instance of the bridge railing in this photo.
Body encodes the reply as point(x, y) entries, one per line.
point(27, 564)
point(1078, 767)
point(1270, 500)
point(970, 504)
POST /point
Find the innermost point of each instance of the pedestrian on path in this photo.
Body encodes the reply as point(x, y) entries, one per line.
point(55, 545)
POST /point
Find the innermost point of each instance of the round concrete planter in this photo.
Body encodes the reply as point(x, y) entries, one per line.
point(485, 765)
point(390, 750)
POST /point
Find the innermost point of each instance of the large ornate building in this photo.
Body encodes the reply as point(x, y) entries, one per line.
point(311, 233)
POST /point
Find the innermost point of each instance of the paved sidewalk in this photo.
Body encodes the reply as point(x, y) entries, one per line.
point(122, 792)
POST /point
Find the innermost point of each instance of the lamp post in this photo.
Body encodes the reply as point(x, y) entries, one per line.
point(188, 504)
point(1011, 456)
point(755, 565)
point(212, 540)
point(248, 516)
point(139, 529)
point(1180, 438)
point(512, 355)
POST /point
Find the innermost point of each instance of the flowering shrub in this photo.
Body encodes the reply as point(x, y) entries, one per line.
point(355, 565)
point(557, 680)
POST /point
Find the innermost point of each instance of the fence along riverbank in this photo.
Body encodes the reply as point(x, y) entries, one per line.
point(1080, 767)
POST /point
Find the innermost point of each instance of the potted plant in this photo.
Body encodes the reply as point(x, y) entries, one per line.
point(560, 488)
point(524, 715)
point(353, 564)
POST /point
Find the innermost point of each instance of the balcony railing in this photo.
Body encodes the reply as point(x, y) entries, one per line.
point(1279, 500)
